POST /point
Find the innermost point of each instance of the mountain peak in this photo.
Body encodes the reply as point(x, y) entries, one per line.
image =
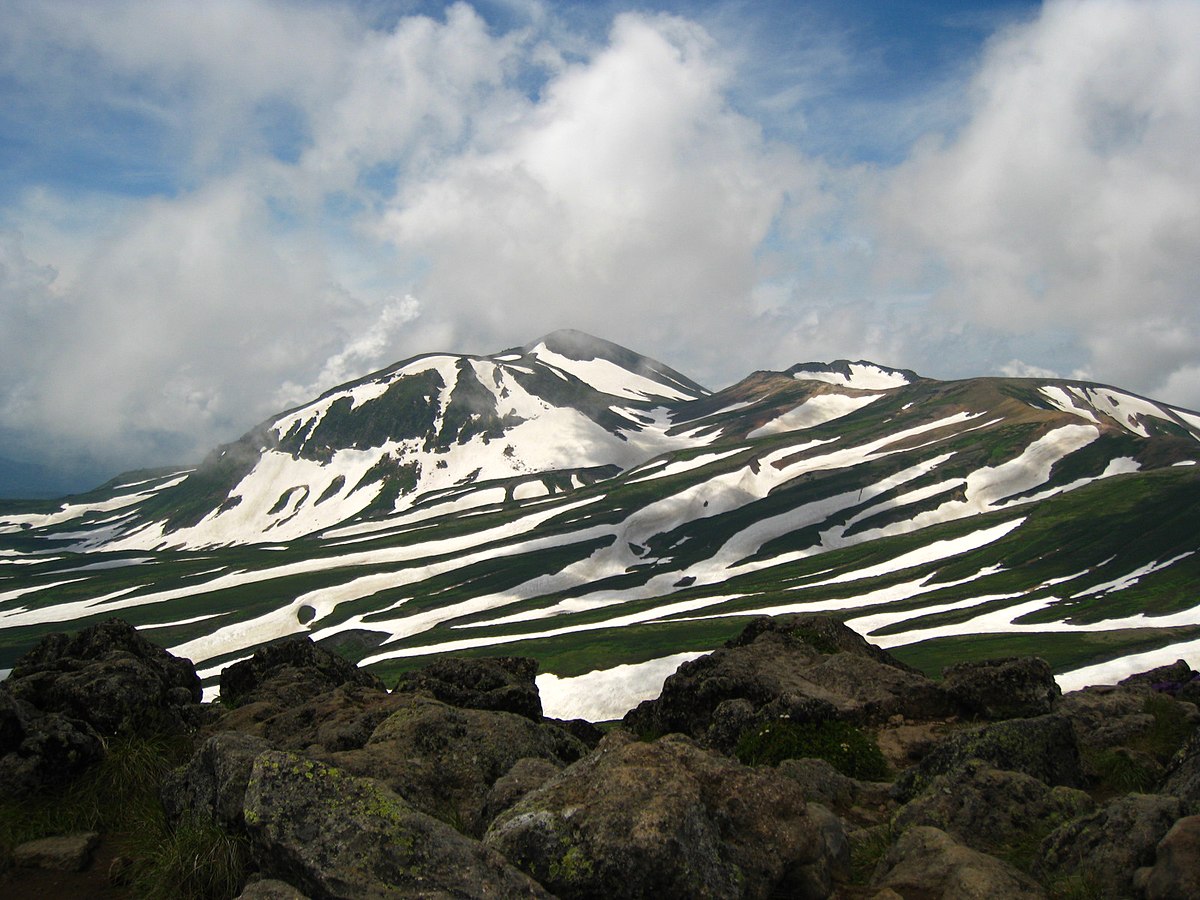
point(860, 374)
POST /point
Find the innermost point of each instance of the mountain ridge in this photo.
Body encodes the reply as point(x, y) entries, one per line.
point(569, 495)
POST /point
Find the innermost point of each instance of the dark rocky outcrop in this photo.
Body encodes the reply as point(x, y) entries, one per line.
point(1176, 871)
point(991, 809)
point(665, 819)
point(804, 667)
point(334, 835)
point(40, 750)
point(1107, 847)
point(1043, 748)
point(288, 672)
point(444, 760)
point(342, 789)
point(212, 785)
point(927, 862)
point(1007, 688)
point(501, 684)
point(110, 677)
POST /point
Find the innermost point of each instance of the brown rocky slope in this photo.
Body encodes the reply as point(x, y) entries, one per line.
point(796, 761)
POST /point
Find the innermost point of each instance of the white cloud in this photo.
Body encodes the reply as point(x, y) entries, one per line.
point(1069, 198)
point(630, 200)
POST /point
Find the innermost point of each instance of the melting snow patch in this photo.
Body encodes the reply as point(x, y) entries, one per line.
point(606, 694)
point(862, 376)
point(1115, 670)
point(814, 411)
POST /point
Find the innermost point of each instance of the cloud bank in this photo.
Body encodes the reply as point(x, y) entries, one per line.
point(214, 212)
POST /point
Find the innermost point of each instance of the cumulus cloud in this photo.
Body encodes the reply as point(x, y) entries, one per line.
point(1068, 199)
point(629, 200)
point(217, 215)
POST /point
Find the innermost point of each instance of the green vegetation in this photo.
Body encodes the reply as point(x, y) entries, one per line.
point(119, 796)
point(840, 744)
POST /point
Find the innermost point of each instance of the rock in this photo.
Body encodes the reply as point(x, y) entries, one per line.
point(835, 858)
point(580, 729)
point(990, 809)
point(788, 661)
point(41, 750)
point(502, 684)
point(1183, 775)
point(863, 801)
point(1108, 717)
point(289, 672)
point(212, 785)
point(111, 677)
point(68, 853)
point(334, 835)
point(927, 863)
point(1043, 747)
point(1007, 688)
point(270, 889)
point(1176, 872)
point(1168, 679)
point(822, 633)
point(444, 760)
point(663, 819)
point(1109, 845)
point(342, 718)
point(527, 774)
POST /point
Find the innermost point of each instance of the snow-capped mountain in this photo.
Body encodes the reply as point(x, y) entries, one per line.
point(577, 502)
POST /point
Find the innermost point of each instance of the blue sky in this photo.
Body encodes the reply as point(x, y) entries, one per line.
point(209, 212)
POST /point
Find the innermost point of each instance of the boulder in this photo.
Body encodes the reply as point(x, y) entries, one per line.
point(288, 672)
point(270, 889)
point(1007, 688)
point(342, 718)
point(331, 834)
point(1043, 747)
point(41, 750)
point(1176, 872)
point(1168, 679)
point(527, 774)
point(64, 853)
point(1109, 845)
point(665, 819)
point(796, 664)
point(990, 809)
point(212, 785)
point(861, 801)
point(1183, 775)
point(927, 863)
point(444, 760)
point(501, 684)
point(111, 677)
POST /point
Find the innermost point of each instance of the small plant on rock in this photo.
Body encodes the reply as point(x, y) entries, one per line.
point(840, 744)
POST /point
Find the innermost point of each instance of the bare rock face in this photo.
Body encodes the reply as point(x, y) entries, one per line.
point(990, 809)
point(1183, 774)
point(502, 684)
point(39, 750)
point(1043, 748)
point(1176, 872)
point(333, 835)
point(342, 718)
point(665, 819)
point(110, 677)
point(288, 672)
point(65, 853)
point(802, 666)
point(1110, 845)
point(927, 862)
point(444, 760)
point(1008, 688)
point(212, 785)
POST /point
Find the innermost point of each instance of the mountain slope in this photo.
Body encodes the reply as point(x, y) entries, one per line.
point(577, 502)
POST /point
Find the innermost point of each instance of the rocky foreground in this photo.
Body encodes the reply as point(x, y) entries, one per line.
point(797, 761)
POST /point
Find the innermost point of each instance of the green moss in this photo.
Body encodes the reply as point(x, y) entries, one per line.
point(572, 867)
point(840, 744)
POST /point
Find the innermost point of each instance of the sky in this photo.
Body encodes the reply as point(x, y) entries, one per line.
point(213, 211)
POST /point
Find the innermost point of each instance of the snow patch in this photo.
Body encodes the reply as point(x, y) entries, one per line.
point(606, 694)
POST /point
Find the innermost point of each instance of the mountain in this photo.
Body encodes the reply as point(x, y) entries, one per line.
point(577, 502)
